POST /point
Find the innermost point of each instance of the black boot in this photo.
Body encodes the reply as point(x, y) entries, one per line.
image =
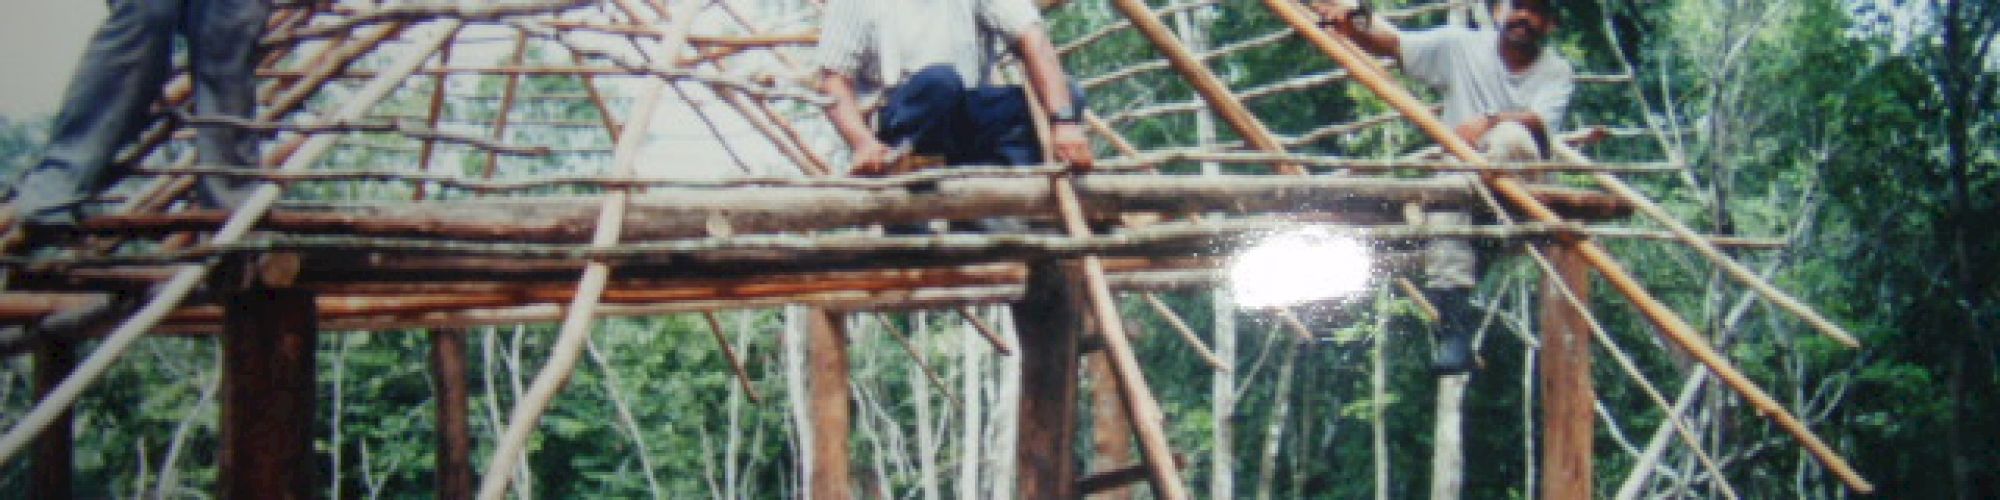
point(1456, 321)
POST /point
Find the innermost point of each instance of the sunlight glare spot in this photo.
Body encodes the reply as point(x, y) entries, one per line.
point(1300, 266)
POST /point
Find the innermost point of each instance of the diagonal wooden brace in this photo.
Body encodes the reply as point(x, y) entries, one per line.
point(1511, 189)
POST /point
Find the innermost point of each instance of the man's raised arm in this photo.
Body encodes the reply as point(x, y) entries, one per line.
point(1343, 18)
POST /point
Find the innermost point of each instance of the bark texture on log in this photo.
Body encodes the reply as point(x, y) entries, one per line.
point(826, 358)
point(689, 212)
point(268, 395)
point(1050, 320)
point(1567, 397)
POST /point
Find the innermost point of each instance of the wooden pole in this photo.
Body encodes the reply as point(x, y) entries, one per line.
point(729, 353)
point(999, 344)
point(186, 277)
point(1567, 396)
point(454, 394)
point(1050, 324)
point(917, 357)
point(1730, 267)
point(1181, 327)
point(1225, 104)
point(832, 406)
point(1140, 405)
point(1665, 319)
point(268, 395)
point(1111, 429)
point(577, 320)
point(54, 458)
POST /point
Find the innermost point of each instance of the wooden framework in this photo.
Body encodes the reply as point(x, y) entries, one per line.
point(653, 245)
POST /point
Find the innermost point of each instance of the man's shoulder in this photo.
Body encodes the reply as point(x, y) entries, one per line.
point(1553, 63)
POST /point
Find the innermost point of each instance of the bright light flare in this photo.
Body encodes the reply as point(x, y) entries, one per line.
point(1300, 266)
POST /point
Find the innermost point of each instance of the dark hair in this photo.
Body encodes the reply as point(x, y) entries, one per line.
point(1546, 8)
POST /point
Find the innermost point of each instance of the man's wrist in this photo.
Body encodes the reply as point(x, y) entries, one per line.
point(1069, 116)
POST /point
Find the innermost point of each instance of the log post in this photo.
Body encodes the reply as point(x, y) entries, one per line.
point(54, 359)
point(267, 394)
point(1112, 433)
point(1051, 320)
point(454, 435)
point(1567, 397)
point(826, 357)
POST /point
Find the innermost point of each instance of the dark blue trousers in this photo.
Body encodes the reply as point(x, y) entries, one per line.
point(937, 114)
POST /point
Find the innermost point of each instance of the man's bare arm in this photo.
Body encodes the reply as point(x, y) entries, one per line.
point(1373, 36)
point(870, 155)
point(1046, 74)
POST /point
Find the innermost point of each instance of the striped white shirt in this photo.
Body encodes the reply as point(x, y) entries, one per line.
point(881, 42)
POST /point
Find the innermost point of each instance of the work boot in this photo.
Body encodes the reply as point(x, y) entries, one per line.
point(1456, 321)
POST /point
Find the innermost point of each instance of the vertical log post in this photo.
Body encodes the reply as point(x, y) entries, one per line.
point(1050, 318)
point(54, 359)
point(454, 434)
point(267, 394)
point(1567, 396)
point(826, 358)
point(1112, 433)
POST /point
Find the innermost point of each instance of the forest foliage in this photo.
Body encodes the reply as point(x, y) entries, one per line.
point(1863, 133)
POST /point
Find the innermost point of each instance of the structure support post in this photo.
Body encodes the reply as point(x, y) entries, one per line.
point(268, 341)
point(1112, 431)
point(54, 358)
point(826, 357)
point(454, 435)
point(1051, 320)
point(1567, 396)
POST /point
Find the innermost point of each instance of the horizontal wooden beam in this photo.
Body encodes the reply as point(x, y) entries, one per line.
point(376, 308)
point(689, 212)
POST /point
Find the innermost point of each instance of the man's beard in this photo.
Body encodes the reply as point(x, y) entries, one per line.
point(1529, 37)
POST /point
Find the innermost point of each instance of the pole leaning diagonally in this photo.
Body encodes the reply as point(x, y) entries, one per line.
point(1510, 188)
point(186, 277)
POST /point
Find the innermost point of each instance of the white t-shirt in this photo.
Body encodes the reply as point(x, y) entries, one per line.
point(881, 42)
point(1465, 66)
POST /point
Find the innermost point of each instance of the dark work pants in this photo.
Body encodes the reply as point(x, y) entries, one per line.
point(936, 113)
point(933, 113)
point(129, 59)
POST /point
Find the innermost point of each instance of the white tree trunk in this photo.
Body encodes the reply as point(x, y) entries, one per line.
point(1006, 407)
point(927, 431)
point(970, 375)
point(1448, 442)
point(799, 395)
point(1222, 401)
point(1274, 432)
point(1378, 393)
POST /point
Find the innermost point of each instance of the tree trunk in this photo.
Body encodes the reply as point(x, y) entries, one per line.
point(973, 415)
point(831, 418)
point(928, 432)
point(1112, 433)
point(1274, 431)
point(1447, 439)
point(1222, 400)
point(1378, 393)
point(1052, 321)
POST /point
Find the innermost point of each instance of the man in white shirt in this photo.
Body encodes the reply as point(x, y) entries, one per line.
point(934, 61)
point(1504, 91)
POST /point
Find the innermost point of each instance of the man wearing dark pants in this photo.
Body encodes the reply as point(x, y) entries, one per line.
point(109, 101)
point(935, 63)
point(110, 98)
point(1505, 91)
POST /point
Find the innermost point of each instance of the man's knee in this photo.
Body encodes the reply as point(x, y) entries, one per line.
point(937, 79)
point(1511, 141)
